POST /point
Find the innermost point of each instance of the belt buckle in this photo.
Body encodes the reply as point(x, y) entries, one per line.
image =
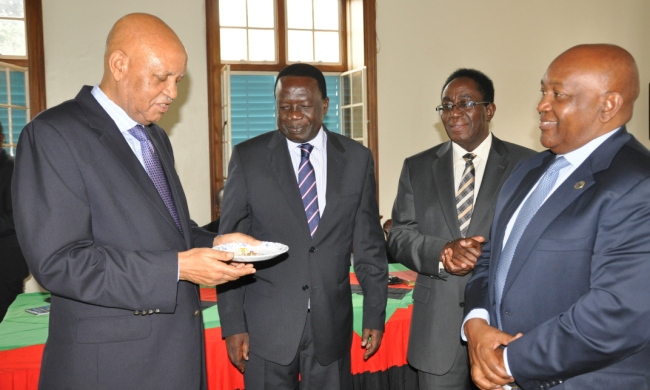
point(510, 386)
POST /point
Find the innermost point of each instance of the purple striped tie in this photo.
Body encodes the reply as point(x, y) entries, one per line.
point(155, 171)
point(307, 185)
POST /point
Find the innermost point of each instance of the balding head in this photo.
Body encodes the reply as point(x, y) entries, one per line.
point(588, 91)
point(144, 61)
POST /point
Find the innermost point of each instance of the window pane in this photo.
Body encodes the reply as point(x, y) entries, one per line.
point(12, 8)
point(326, 14)
point(232, 13)
point(261, 13)
point(12, 38)
point(346, 118)
point(301, 46)
point(357, 122)
point(345, 90)
point(327, 46)
point(253, 106)
point(233, 44)
point(357, 87)
point(262, 45)
point(17, 88)
point(332, 120)
point(4, 98)
point(299, 14)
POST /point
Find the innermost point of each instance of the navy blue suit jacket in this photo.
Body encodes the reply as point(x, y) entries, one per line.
point(578, 285)
point(97, 235)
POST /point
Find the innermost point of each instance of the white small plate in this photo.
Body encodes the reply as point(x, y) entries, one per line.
point(265, 251)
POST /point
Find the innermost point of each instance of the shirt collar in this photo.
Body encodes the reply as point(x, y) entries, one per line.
point(482, 151)
point(119, 116)
point(319, 142)
point(578, 156)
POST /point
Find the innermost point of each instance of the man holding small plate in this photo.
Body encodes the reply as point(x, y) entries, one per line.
point(313, 191)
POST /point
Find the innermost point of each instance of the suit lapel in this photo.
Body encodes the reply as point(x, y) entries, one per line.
point(167, 163)
point(493, 177)
point(280, 163)
point(443, 174)
point(559, 200)
point(114, 141)
point(336, 165)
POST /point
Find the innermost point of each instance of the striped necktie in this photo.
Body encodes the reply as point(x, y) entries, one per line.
point(155, 171)
point(526, 213)
point(465, 195)
point(307, 185)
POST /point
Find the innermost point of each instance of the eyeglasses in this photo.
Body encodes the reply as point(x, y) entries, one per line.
point(465, 105)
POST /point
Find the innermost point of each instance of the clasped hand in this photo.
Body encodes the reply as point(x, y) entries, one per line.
point(459, 256)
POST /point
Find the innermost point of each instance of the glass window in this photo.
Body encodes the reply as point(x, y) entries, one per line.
point(313, 31)
point(247, 31)
point(13, 103)
point(13, 37)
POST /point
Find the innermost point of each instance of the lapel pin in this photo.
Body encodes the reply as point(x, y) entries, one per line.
point(579, 185)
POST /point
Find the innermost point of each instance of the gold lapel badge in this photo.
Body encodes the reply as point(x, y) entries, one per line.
point(579, 185)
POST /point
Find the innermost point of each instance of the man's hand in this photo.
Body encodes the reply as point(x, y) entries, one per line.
point(211, 267)
point(371, 340)
point(238, 348)
point(484, 344)
point(235, 237)
point(459, 256)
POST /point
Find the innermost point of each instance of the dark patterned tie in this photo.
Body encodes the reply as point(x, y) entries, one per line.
point(155, 171)
point(465, 195)
point(526, 213)
point(307, 185)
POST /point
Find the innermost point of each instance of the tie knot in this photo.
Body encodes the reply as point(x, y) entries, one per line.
point(469, 157)
point(559, 163)
point(138, 132)
point(305, 150)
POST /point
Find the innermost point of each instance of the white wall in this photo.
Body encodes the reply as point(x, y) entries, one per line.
point(513, 41)
point(420, 43)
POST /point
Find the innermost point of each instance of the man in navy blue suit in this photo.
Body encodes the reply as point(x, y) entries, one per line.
point(559, 297)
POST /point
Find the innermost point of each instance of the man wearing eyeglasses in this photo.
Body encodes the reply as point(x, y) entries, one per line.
point(445, 203)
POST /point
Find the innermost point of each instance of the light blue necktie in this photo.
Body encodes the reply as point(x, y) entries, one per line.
point(155, 171)
point(307, 184)
point(526, 213)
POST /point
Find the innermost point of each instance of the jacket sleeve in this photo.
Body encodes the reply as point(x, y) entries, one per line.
point(53, 217)
point(417, 251)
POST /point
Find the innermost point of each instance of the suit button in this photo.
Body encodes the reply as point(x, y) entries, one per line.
point(461, 304)
point(151, 311)
point(305, 287)
point(312, 250)
point(143, 312)
point(157, 310)
point(196, 313)
point(135, 313)
point(431, 276)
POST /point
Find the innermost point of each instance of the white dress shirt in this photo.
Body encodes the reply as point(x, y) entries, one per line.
point(318, 159)
point(122, 120)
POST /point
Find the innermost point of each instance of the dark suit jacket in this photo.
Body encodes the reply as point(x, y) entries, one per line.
point(424, 220)
point(262, 199)
point(97, 235)
point(12, 263)
point(578, 284)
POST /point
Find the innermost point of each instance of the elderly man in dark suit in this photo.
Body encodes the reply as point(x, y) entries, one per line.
point(104, 225)
point(445, 194)
point(314, 191)
point(13, 269)
point(563, 284)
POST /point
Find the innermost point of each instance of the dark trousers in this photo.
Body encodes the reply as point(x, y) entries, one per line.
point(262, 374)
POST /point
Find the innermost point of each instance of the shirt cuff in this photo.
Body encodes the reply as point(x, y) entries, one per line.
point(505, 361)
point(475, 313)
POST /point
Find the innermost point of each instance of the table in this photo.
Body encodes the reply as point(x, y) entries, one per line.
point(22, 338)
